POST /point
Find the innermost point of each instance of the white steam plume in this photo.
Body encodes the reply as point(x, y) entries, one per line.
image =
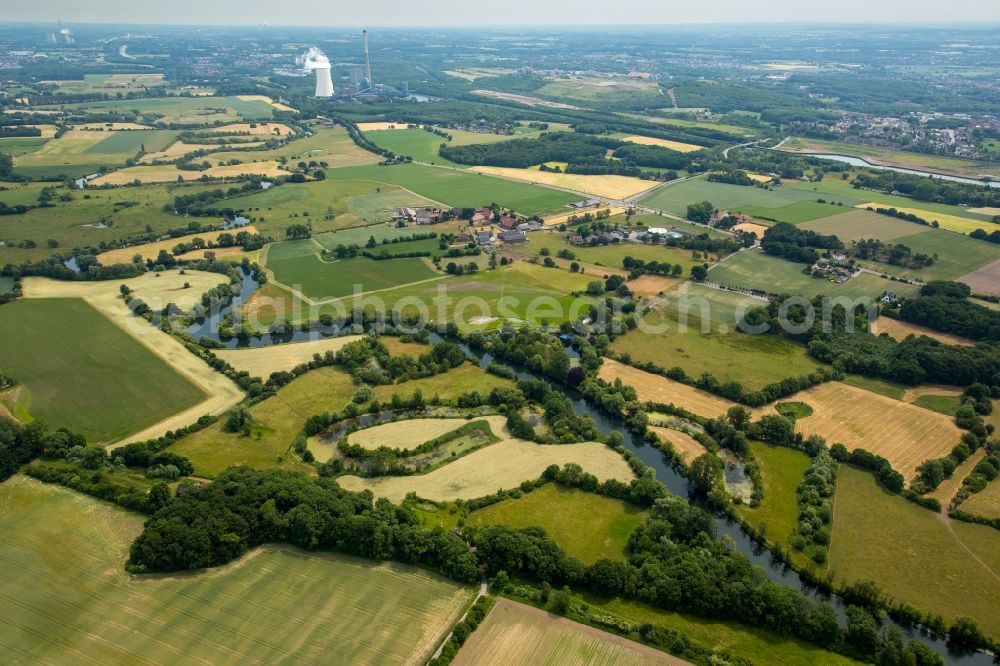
point(313, 59)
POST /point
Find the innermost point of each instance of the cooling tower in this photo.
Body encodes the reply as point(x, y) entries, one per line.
point(324, 84)
point(316, 60)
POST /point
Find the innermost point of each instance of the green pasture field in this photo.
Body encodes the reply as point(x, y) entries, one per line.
point(332, 145)
point(653, 220)
point(520, 292)
point(423, 146)
point(676, 198)
point(70, 156)
point(277, 421)
point(752, 360)
point(506, 293)
point(130, 141)
point(781, 469)
point(915, 556)
point(453, 187)
point(321, 279)
point(360, 235)
point(381, 206)
point(587, 526)
point(21, 195)
point(832, 185)
point(758, 645)
point(419, 144)
point(22, 145)
point(853, 224)
point(957, 255)
point(796, 213)
point(879, 386)
point(85, 373)
point(711, 305)
point(755, 270)
point(186, 110)
point(95, 83)
point(943, 404)
point(613, 255)
point(875, 154)
point(446, 385)
point(71, 223)
point(702, 124)
point(68, 599)
point(277, 208)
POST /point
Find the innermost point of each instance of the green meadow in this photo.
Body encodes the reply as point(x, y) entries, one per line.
point(586, 525)
point(121, 388)
point(67, 598)
point(755, 270)
point(453, 187)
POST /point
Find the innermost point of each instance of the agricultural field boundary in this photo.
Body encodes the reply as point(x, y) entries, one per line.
point(221, 393)
point(325, 301)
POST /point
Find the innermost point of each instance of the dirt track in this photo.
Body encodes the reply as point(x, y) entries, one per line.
point(221, 393)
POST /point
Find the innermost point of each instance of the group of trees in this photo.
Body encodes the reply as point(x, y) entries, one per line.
point(921, 188)
point(796, 244)
point(944, 306)
point(895, 254)
point(201, 203)
point(244, 508)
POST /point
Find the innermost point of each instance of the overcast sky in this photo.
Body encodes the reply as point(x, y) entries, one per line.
point(496, 12)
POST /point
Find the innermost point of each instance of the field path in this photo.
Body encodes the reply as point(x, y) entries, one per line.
point(961, 543)
point(221, 393)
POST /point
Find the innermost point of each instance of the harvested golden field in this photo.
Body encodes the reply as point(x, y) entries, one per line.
point(986, 210)
point(898, 330)
point(47, 131)
point(609, 187)
point(195, 255)
point(751, 227)
point(654, 388)
point(169, 173)
point(105, 297)
point(176, 149)
point(262, 361)
point(760, 177)
point(564, 217)
point(663, 143)
point(514, 634)
point(502, 465)
point(378, 127)
point(985, 280)
point(267, 100)
point(411, 433)
point(261, 128)
point(123, 255)
point(68, 599)
point(652, 285)
point(686, 446)
point(902, 433)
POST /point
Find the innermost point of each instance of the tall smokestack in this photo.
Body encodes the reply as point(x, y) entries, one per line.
point(368, 64)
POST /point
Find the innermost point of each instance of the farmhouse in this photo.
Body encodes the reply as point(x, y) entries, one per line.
point(508, 222)
point(484, 237)
point(513, 236)
point(586, 203)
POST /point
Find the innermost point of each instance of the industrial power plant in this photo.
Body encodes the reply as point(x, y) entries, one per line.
point(359, 84)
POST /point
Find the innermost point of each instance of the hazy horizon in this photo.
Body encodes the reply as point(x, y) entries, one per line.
point(514, 13)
